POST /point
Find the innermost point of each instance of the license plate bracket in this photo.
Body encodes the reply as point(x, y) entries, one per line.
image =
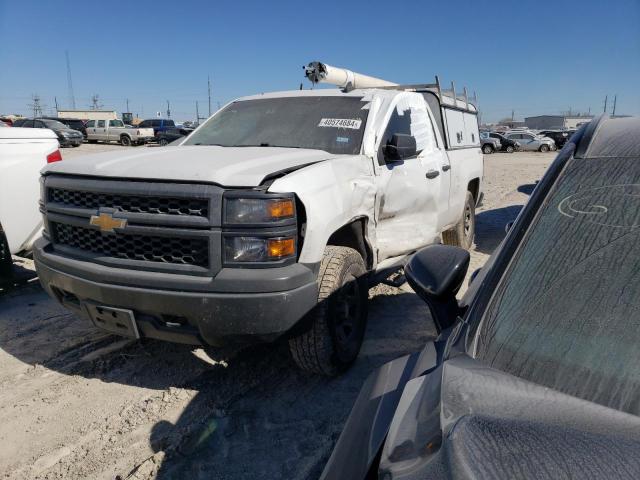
point(115, 320)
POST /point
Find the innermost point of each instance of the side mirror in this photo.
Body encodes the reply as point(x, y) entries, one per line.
point(436, 274)
point(400, 146)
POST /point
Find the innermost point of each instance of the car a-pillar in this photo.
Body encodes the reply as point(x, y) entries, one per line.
point(332, 333)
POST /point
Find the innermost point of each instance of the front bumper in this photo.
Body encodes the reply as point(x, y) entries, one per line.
point(65, 142)
point(177, 312)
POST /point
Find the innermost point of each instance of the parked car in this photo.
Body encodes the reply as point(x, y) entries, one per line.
point(507, 145)
point(73, 123)
point(536, 372)
point(560, 137)
point(117, 131)
point(489, 144)
point(158, 124)
point(23, 153)
point(531, 142)
point(19, 121)
point(66, 136)
point(171, 135)
point(247, 233)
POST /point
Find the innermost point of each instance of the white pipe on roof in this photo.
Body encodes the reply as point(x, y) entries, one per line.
point(318, 72)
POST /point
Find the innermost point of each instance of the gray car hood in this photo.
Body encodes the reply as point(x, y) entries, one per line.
point(227, 166)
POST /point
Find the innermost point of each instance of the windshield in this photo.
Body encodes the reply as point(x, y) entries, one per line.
point(567, 313)
point(332, 124)
point(55, 124)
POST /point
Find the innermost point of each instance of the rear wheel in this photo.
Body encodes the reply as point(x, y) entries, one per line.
point(510, 149)
point(163, 142)
point(92, 141)
point(487, 149)
point(125, 141)
point(544, 148)
point(336, 325)
point(462, 234)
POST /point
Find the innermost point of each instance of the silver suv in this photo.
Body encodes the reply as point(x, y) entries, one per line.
point(531, 142)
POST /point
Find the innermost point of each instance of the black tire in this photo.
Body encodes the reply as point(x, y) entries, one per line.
point(544, 148)
point(125, 141)
point(462, 234)
point(487, 149)
point(6, 270)
point(336, 326)
point(92, 141)
point(509, 149)
point(163, 142)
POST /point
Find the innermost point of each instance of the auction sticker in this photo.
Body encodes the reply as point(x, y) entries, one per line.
point(353, 123)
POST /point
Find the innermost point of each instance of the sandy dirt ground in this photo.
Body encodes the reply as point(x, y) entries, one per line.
point(76, 403)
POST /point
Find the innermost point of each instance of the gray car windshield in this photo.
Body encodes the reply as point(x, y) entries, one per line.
point(333, 124)
point(567, 312)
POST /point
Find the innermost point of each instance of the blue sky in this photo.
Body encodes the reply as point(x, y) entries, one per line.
point(532, 57)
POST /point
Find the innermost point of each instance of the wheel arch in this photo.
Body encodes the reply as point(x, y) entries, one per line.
point(474, 187)
point(354, 235)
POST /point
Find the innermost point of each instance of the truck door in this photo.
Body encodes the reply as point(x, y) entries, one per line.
point(101, 130)
point(91, 129)
point(408, 191)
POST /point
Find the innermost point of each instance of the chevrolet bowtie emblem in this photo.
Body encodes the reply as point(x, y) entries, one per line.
point(107, 223)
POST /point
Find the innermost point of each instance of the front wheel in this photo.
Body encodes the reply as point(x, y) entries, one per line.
point(487, 149)
point(5, 258)
point(544, 148)
point(462, 234)
point(333, 337)
point(510, 149)
point(125, 141)
point(163, 142)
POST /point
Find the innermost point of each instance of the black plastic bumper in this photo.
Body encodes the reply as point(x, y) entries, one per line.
point(179, 315)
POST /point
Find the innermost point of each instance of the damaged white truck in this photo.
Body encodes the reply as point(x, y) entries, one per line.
point(270, 221)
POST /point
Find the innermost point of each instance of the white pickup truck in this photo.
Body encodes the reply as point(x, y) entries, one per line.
point(23, 153)
point(117, 131)
point(271, 220)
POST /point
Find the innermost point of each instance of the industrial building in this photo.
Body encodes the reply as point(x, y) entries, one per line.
point(89, 114)
point(547, 122)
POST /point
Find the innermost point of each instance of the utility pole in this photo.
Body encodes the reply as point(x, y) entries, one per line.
point(209, 89)
point(55, 99)
point(589, 110)
point(72, 98)
point(615, 98)
point(36, 106)
point(95, 102)
point(197, 113)
point(168, 110)
point(606, 97)
point(127, 105)
point(512, 114)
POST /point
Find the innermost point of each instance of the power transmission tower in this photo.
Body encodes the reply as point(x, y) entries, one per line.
point(36, 106)
point(209, 89)
point(615, 99)
point(95, 102)
point(72, 98)
point(168, 110)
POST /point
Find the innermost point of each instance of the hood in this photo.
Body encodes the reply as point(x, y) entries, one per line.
point(226, 166)
point(479, 423)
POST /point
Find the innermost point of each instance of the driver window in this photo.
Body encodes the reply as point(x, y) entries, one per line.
point(400, 122)
point(100, 123)
point(90, 124)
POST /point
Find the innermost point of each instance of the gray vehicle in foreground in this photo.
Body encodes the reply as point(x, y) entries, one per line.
point(536, 372)
point(531, 142)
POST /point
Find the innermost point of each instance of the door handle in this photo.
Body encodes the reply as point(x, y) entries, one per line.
point(446, 168)
point(432, 174)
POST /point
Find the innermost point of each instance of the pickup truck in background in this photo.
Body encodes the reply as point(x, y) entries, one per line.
point(23, 153)
point(116, 131)
point(271, 220)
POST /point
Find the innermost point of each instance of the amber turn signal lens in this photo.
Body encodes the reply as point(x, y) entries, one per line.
point(281, 247)
point(280, 208)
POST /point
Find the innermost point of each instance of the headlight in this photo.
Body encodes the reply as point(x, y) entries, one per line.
point(258, 249)
point(258, 210)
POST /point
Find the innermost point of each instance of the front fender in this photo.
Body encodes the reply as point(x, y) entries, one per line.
point(333, 193)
